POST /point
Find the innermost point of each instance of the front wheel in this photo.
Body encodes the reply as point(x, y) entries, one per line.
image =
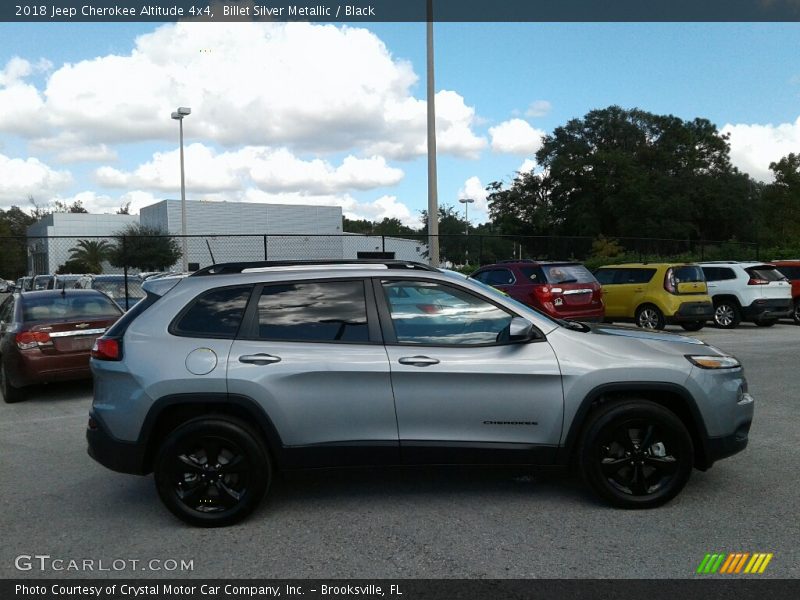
point(212, 471)
point(636, 454)
point(726, 314)
point(10, 393)
point(650, 317)
point(693, 325)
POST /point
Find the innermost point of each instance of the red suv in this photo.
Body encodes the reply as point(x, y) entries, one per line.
point(791, 269)
point(566, 290)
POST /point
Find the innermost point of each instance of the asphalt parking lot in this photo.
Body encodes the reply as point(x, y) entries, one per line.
point(409, 523)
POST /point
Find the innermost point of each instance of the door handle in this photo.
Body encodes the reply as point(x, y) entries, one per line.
point(259, 359)
point(418, 361)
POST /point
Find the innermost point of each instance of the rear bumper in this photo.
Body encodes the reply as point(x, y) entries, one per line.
point(768, 309)
point(123, 457)
point(30, 367)
point(692, 311)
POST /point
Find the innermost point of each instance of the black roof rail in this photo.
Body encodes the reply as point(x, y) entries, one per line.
point(238, 267)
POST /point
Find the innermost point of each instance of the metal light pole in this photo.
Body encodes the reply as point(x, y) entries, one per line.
point(466, 202)
point(178, 115)
point(433, 200)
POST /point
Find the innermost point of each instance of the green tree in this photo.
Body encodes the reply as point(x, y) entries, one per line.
point(629, 173)
point(145, 248)
point(90, 254)
point(14, 224)
point(780, 204)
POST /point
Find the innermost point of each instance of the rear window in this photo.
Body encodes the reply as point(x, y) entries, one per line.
point(765, 272)
point(567, 274)
point(68, 306)
point(688, 274)
point(216, 314)
point(790, 272)
point(43, 283)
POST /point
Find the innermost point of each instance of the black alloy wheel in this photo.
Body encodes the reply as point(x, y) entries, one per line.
point(636, 454)
point(212, 471)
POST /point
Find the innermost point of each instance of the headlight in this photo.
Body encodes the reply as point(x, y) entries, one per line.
point(705, 361)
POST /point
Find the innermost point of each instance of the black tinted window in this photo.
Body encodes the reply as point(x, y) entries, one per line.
point(718, 273)
point(332, 311)
point(790, 272)
point(217, 313)
point(765, 273)
point(635, 275)
point(500, 277)
point(605, 276)
point(688, 274)
point(533, 274)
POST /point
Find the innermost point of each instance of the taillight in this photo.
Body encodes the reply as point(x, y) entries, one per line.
point(756, 281)
point(106, 349)
point(31, 339)
point(669, 281)
point(542, 293)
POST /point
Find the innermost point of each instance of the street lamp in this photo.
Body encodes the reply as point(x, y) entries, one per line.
point(178, 115)
point(466, 202)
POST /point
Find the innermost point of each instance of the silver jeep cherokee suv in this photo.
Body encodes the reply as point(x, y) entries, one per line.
point(216, 380)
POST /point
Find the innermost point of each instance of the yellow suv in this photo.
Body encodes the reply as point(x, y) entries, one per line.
point(654, 294)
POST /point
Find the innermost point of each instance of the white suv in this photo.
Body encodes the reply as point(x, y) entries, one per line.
point(749, 291)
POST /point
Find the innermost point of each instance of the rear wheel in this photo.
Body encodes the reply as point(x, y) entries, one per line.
point(726, 314)
point(212, 471)
point(693, 325)
point(796, 313)
point(10, 393)
point(650, 317)
point(636, 454)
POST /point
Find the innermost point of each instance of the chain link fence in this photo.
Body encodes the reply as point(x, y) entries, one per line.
point(30, 256)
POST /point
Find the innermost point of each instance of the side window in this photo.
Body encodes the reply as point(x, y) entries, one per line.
point(330, 311)
point(216, 314)
point(726, 273)
point(450, 316)
point(712, 273)
point(636, 275)
point(534, 274)
point(605, 276)
point(500, 277)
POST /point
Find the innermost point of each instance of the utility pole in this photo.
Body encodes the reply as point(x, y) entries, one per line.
point(433, 199)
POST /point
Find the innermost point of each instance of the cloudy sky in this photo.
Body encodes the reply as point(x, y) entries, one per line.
point(324, 114)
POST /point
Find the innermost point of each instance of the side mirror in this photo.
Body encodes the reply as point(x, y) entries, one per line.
point(520, 329)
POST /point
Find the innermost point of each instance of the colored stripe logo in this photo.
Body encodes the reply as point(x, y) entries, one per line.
point(734, 562)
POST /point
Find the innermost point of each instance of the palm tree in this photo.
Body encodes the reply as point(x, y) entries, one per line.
point(91, 253)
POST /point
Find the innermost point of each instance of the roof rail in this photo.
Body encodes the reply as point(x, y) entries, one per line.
point(240, 267)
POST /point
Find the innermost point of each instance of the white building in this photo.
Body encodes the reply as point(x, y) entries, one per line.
point(224, 232)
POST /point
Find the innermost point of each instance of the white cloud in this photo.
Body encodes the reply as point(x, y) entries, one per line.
point(474, 189)
point(527, 166)
point(538, 109)
point(516, 136)
point(29, 177)
point(104, 203)
point(753, 147)
point(270, 170)
point(310, 87)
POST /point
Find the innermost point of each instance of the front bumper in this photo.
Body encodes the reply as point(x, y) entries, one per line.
point(692, 311)
point(123, 457)
point(768, 309)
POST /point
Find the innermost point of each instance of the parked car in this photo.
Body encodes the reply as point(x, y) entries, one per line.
point(655, 294)
point(216, 380)
point(791, 269)
point(747, 291)
point(24, 284)
point(48, 335)
point(114, 286)
point(5, 286)
point(566, 290)
point(42, 282)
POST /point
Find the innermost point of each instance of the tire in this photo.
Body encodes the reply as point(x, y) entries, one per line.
point(766, 322)
point(10, 393)
point(618, 467)
point(649, 316)
point(693, 325)
point(796, 313)
point(212, 495)
point(727, 314)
